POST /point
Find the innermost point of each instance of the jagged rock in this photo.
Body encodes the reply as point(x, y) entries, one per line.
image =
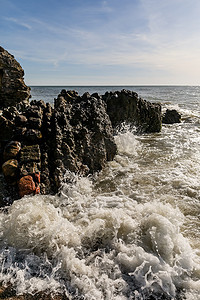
point(76, 135)
point(83, 135)
point(171, 116)
point(33, 136)
point(30, 160)
point(34, 111)
point(126, 106)
point(12, 87)
point(39, 103)
point(11, 150)
point(35, 123)
point(29, 168)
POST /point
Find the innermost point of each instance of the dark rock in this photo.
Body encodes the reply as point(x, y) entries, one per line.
point(6, 129)
point(34, 111)
point(12, 87)
point(30, 160)
point(30, 153)
point(96, 95)
point(86, 96)
point(126, 106)
point(33, 136)
point(171, 116)
point(69, 95)
point(35, 123)
point(28, 168)
point(39, 103)
point(19, 133)
point(8, 114)
point(20, 120)
point(83, 135)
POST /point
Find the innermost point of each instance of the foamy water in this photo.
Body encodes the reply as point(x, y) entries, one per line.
point(130, 232)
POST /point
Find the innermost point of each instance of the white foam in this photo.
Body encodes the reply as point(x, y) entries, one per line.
point(129, 232)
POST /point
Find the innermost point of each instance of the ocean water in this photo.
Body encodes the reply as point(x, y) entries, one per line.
point(130, 232)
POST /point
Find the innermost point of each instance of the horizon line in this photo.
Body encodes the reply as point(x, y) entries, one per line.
point(108, 85)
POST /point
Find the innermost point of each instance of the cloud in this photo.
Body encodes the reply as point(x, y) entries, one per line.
point(144, 35)
point(18, 22)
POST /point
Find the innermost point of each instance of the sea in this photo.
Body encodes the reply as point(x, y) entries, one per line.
point(131, 231)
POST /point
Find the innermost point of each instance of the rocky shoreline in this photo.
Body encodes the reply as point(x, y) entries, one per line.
point(38, 142)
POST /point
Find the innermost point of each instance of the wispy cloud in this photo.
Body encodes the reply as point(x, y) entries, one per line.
point(147, 36)
point(18, 22)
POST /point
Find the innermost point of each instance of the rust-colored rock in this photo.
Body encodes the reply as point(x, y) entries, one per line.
point(26, 186)
point(37, 189)
point(37, 177)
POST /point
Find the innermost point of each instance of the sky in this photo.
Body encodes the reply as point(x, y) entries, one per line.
point(97, 42)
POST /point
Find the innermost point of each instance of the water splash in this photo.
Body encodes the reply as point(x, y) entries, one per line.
point(127, 233)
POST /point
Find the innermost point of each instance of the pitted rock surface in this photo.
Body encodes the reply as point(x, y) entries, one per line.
point(13, 90)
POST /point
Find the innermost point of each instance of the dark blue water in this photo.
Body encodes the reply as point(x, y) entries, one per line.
point(188, 95)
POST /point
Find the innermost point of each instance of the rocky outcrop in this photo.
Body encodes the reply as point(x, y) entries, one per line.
point(83, 135)
point(12, 87)
point(39, 143)
point(43, 142)
point(127, 106)
point(171, 116)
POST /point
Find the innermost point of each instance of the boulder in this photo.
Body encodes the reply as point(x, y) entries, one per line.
point(12, 87)
point(171, 117)
point(10, 170)
point(11, 150)
point(26, 186)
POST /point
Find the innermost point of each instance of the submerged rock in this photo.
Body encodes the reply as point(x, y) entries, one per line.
point(171, 117)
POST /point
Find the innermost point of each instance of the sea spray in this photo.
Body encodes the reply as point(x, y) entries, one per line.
point(129, 233)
